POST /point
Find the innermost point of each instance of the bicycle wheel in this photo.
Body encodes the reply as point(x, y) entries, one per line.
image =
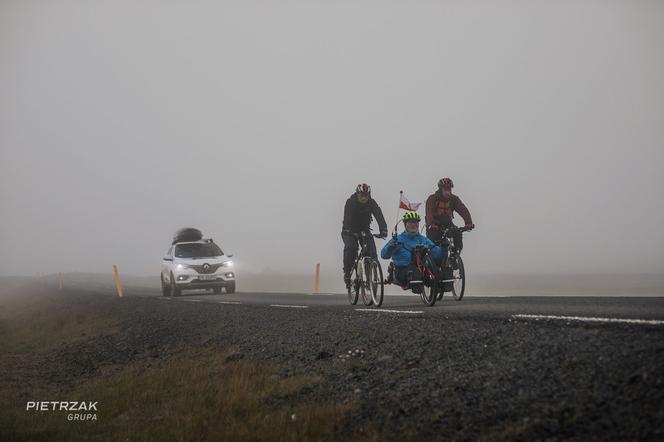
point(430, 289)
point(365, 282)
point(376, 283)
point(441, 284)
point(441, 280)
point(459, 275)
point(352, 288)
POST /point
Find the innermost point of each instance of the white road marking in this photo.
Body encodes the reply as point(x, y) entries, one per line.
point(192, 300)
point(289, 306)
point(165, 299)
point(229, 302)
point(592, 319)
point(387, 311)
point(404, 294)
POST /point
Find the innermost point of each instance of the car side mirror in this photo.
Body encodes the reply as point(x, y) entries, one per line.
point(168, 258)
point(230, 255)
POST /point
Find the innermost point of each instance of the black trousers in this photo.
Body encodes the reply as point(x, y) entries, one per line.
point(443, 222)
point(404, 274)
point(351, 247)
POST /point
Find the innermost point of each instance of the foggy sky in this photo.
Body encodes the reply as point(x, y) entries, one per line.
point(121, 121)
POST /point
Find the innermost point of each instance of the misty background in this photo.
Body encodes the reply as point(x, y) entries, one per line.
point(122, 121)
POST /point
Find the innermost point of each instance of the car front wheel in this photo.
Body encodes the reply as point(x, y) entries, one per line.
point(165, 291)
point(175, 290)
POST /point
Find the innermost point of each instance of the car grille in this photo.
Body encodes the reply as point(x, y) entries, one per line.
point(206, 268)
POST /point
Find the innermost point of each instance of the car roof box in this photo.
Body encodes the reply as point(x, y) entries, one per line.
point(187, 234)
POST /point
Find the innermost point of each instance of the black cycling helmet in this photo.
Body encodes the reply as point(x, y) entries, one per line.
point(363, 188)
point(445, 183)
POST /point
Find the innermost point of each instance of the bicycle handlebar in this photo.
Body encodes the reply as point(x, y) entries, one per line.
point(457, 229)
point(411, 249)
point(363, 233)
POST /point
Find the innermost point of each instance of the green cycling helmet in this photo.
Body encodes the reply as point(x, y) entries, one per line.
point(411, 215)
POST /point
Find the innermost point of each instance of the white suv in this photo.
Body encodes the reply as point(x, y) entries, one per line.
point(196, 265)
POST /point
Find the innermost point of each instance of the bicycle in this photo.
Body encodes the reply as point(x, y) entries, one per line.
point(427, 268)
point(453, 265)
point(367, 277)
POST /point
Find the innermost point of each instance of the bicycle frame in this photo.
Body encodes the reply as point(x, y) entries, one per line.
point(453, 263)
point(419, 253)
point(368, 274)
point(364, 247)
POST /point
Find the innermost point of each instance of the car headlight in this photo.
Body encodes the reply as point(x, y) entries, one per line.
point(182, 266)
point(227, 263)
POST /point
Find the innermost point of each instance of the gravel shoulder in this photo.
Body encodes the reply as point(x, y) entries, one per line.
point(436, 377)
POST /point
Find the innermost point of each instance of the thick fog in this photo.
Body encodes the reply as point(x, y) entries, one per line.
point(121, 121)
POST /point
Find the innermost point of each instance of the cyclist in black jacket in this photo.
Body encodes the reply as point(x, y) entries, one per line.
point(359, 209)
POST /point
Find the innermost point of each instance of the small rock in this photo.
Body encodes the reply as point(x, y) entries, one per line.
point(323, 355)
point(234, 357)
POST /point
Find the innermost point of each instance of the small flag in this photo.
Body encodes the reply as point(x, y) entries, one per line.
point(407, 205)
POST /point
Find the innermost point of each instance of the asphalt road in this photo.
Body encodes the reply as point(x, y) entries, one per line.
point(573, 369)
point(484, 368)
point(639, 308)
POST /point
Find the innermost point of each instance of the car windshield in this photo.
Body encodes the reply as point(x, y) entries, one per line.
point(197, 250)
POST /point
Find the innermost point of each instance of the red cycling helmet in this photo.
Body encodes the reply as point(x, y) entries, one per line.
point(445, 183)
point(363, 188)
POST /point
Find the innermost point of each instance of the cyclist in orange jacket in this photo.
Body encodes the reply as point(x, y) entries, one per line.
point(440, 208)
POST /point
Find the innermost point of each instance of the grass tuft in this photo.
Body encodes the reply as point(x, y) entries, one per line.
point(30, 325)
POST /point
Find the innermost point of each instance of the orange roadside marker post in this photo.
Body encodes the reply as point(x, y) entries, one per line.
point(118, 285)
point(317, 282)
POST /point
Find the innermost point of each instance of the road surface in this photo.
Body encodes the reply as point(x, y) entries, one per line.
point(508, 368)
point(628, 308)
